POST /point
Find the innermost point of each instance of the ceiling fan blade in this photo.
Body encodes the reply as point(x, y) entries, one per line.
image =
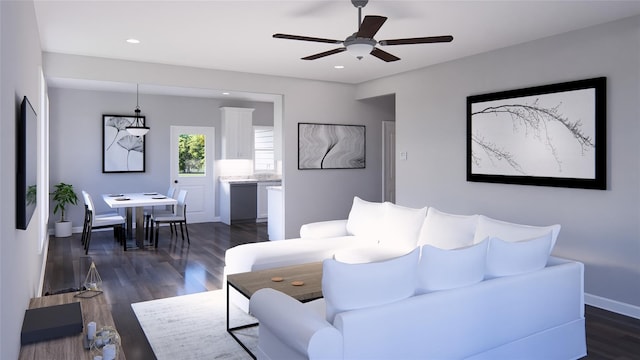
point(370, 26)
point(306, 38)
point(383, 55)
point(420, 40)
point(323, 54)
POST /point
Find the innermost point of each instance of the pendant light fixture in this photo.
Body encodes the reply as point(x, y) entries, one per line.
point(137, 128)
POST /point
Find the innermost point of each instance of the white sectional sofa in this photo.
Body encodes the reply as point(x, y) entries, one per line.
point(410, 283)
point(537, 315)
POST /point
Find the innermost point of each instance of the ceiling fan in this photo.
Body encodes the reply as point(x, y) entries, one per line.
point(362, 42)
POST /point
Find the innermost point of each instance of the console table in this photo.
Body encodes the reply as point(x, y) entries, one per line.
point(71, 347)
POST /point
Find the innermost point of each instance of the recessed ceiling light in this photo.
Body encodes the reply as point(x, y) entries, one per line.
point(133, 41)
point(339, 67)
point(226, 93)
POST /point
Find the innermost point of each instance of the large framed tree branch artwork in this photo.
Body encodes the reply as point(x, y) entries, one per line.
point(551, 135)
point(331, 146)
point(121, 151)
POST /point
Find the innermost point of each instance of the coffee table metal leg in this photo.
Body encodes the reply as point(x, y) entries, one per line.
point(230, 330)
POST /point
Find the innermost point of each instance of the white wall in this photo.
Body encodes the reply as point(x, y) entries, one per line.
point(600, 228)
point(21, 259)
point(76, 138)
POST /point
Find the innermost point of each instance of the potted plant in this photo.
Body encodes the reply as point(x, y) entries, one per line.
point(63, 195)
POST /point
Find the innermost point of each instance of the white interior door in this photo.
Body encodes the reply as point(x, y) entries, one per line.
point(192, 169)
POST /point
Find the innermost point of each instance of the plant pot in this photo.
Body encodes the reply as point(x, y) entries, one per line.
point(63, 229)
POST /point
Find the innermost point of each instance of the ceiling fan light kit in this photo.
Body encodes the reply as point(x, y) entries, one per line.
point(362, 42)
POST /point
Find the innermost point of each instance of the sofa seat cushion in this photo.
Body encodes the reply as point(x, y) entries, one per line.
point(354, 286)
point(447, 231)
point(441, 269)
point(271, 254)
point(368, 254)
point(505, 258)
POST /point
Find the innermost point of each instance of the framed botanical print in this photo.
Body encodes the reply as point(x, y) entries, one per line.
point(121, 151)
point(551, 135)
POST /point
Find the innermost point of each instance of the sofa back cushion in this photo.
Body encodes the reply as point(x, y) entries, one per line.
point(447, 231)
point(388, 224)
point(505, 258)
point(366, 219)
point(402, 226)
point(506, 231)
point(440, 269)
point(353, 286)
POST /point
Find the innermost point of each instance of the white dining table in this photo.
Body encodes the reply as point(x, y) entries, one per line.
point(139, 201)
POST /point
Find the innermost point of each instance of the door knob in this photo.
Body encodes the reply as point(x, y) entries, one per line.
point(175, 181)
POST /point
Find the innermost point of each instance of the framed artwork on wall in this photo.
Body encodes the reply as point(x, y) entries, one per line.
point(551, 135)
point(331, 146)
point(121, 151)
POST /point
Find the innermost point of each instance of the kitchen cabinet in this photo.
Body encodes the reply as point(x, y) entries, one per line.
point(275, 226)
point(263, 207)
point(237, 133)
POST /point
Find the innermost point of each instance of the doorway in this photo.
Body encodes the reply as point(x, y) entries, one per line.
point(192, 169)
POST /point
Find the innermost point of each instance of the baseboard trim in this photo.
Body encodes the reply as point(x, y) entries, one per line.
point(612, 305)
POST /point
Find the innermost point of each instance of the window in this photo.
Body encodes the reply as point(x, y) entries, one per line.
point(263, 158)
point(191, 157)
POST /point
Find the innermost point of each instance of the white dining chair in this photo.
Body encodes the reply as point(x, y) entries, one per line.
point(99, 221)
point(179, 216)
point(168, 210)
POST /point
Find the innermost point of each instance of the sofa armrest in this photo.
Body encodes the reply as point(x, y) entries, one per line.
point(289, 329)
point(324, 229)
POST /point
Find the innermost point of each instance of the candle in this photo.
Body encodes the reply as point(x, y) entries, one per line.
point(91, 330)
point(109, 352)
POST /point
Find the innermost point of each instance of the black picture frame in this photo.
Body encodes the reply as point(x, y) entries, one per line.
point(121, 151)
point(331, 146)
point(550, 135)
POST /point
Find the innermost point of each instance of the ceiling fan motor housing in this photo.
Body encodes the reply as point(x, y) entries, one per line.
point(359, 46)
point(359, 3)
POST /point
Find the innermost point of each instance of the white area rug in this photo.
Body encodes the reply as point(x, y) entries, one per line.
point(194, 327)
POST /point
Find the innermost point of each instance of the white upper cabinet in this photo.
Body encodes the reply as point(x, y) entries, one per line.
point(237, 133)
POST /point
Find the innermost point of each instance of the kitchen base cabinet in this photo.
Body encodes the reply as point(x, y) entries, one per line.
point(263, 207)
point(238, 202)
point(275, 226)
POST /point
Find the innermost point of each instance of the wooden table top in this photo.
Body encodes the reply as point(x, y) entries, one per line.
point(71, 347)
point(311, 274)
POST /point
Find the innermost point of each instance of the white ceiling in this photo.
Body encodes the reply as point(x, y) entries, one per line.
point(237, 35)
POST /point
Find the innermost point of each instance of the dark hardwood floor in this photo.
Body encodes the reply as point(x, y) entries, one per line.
point(177, 268)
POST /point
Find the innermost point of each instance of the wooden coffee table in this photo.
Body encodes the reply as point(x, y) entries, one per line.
point(248, 283)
